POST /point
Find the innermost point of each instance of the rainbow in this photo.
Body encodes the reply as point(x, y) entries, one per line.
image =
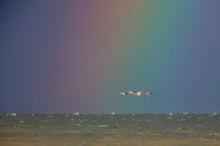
point(75, 56)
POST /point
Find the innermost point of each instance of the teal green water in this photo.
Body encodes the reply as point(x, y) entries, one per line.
point(112, 126)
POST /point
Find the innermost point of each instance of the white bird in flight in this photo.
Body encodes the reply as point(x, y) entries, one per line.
point(123, 93)
point(137, 93)
point(149, 93)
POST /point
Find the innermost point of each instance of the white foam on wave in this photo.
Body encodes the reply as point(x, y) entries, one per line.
point(12, 114)
point(170, 114)
point(50, 116)
point(76, 113)
point(71, 131)
point(113, 113)
point(103, 126)
point(21, 122)
point(169, 117)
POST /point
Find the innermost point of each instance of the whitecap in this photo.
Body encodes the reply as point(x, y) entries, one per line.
point(170, 114)
point(169, 117)
point(113, 113)
point(102, 126)
point(76, 113)
point(50, 116)
point(12, 114)
point(180, 120)
point(71, 131)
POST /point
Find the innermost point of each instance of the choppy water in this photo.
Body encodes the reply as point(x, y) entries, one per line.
point(111, 126)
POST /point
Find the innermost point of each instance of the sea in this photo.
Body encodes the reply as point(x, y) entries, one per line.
point(109, 126)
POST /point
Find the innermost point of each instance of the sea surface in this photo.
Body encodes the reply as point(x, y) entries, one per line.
point(82, 127)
